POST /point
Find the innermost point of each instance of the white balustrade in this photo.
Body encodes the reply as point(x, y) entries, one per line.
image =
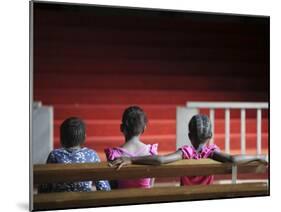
point(227, 106)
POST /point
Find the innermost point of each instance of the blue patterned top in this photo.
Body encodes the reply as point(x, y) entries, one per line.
point(81, 155)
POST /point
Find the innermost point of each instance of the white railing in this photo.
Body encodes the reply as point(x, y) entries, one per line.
point(227, 106)
point(42, 132)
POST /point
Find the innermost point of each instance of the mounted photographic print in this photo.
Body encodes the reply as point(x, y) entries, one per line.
point(137, 105)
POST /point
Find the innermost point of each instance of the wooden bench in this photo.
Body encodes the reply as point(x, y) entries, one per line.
point(77, 172)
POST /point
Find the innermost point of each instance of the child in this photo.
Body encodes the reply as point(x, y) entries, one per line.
point(133, 124)
point(200, 133)
point(72, 138)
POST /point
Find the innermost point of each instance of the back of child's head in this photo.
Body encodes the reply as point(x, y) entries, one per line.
point(200, 128)
point(72, 132)
point(134, 121)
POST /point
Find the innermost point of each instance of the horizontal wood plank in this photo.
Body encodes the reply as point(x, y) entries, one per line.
point(154, 195)
point(47, 173)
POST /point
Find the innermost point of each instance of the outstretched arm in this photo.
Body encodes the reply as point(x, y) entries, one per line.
point(223, 157)
point(147, 160)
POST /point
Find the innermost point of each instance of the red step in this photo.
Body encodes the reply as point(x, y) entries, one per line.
point(251, 141)
point(84, 96)
point(235, 126)
point(158, 127)
point(107, 111)
point(112, 127)
point(168, 142)
point(101, 142)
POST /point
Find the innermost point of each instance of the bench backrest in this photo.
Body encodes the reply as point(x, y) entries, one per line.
point(101, 171)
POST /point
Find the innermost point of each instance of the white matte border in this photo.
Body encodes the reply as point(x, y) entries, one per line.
point(14, 82)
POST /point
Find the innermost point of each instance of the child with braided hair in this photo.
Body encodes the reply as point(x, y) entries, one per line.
point(200, 133)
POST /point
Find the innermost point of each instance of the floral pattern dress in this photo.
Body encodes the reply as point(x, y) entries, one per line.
point(81, 155)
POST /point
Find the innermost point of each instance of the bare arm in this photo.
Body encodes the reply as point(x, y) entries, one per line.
point(147, 160)
point(223, 157)
point(157, 159)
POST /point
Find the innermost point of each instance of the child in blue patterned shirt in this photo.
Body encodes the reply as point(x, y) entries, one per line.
point(72, 137)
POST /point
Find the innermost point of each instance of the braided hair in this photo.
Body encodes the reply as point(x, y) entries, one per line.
point(72, 132)
point(200, 127)
point(134, 121)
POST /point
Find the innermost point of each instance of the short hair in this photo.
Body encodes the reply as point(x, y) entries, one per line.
point(72, 132)
point(200, 126)
point(134, 121)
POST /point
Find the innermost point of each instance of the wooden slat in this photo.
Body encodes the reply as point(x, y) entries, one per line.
point(48, 173)
point(135, 196)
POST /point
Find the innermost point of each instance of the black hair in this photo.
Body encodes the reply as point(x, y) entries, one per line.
point(72, 132)
point(134, 121)
point(200, 127)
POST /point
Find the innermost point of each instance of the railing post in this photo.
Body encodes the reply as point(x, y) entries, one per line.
point(259, 119)
point(234, 174)
point(212, 119)
point(243, 131)
point(183, 116)
point(227, 131)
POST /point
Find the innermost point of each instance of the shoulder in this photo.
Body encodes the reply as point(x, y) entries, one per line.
point(208, 150)
point(211, 147)
point(90, 154)
point(55, 155)
point(58, 152)
point(88, 150)
point(112, 153)
point(187, 151)
point(153, 149)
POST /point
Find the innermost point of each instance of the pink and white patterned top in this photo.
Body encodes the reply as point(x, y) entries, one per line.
point(116, 152)
point(189, 152)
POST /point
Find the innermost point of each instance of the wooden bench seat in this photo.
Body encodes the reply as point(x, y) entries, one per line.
point(135, 196)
